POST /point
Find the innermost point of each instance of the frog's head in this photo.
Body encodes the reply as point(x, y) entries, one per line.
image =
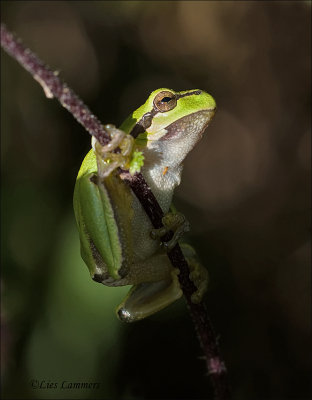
point(170, 119)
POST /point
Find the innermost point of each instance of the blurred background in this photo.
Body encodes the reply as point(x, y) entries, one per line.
point(245, 191)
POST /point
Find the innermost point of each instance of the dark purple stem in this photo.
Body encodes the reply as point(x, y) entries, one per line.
point(54, 87)
point(208, 341)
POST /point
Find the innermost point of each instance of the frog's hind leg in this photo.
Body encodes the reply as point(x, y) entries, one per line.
point(145, 299)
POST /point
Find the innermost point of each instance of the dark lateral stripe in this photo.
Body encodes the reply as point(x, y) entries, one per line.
point(147, 119)
point(136, 130)
point(196, 92)
point(144, 123)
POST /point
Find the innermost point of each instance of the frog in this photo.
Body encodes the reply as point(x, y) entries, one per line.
point(117, 240)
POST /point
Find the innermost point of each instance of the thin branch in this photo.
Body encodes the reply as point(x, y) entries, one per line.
point(206, 335)
point(54, 87)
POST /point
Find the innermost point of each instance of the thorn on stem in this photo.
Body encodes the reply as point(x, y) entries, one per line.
point(45, 88)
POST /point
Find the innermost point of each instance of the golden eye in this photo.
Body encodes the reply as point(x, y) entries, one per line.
point(165, 101)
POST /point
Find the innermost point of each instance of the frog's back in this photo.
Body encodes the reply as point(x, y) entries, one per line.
point(125, 239)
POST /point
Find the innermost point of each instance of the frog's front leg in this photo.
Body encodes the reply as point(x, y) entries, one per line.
point(108, 159)
point(175, 222)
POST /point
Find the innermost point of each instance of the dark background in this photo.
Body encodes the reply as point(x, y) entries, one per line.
point(245, 191)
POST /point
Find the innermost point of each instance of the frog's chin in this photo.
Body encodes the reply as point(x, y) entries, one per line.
point(190, 126)
point(178, 139)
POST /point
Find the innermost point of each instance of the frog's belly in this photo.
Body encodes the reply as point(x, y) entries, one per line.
point(134, 226)
point(143, 245)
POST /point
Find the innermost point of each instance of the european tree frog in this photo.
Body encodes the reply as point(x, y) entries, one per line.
point(115, 233)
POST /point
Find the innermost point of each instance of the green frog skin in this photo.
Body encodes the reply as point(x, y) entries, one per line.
point(115, 232)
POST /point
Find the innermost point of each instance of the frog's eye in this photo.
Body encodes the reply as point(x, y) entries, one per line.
point(165, 101)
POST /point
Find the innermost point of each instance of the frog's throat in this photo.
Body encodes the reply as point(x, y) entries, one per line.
point(177, 140)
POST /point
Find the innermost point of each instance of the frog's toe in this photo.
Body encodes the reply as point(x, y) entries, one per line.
point(197, 296)
point(199, 276)
point(124, 315)
point(195, 275)
point(177, 224)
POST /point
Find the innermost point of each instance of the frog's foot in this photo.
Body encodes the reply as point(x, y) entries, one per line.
point(108, 159)
point(175, 222)
point(147, 298)
point(198, 273)
point(199, 276)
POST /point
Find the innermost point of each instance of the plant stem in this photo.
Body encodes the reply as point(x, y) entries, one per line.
point(53, 86)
